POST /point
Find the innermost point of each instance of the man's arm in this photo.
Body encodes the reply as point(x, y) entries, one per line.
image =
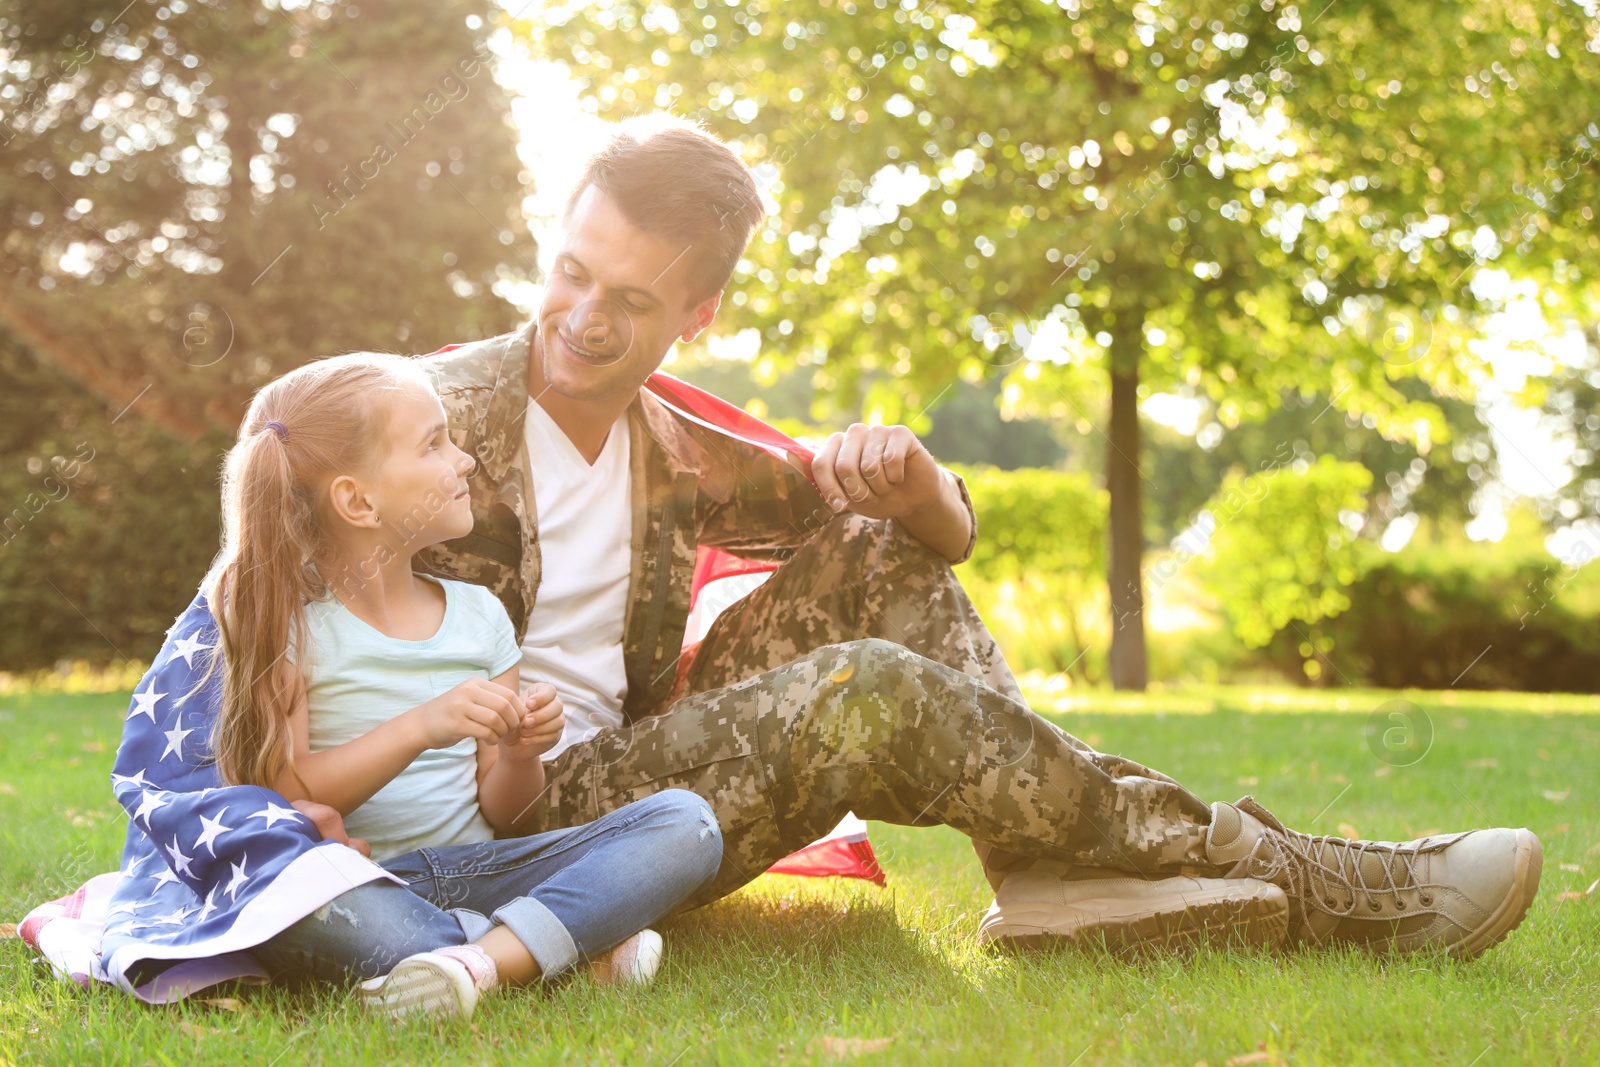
point(885, 472)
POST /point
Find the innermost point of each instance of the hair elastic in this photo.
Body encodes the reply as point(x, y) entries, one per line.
point(278, 428)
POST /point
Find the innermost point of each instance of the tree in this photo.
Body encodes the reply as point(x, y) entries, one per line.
point(201, 195)
point(1101, 201)
point(205, 194)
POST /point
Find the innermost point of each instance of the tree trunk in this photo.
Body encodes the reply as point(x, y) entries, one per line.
point(1128, 661)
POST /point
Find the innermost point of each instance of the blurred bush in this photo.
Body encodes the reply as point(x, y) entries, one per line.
point(1280, 557)
point(1037, 573)
point(1467, 616)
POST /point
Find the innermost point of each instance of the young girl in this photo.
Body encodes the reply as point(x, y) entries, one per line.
point(351, 681)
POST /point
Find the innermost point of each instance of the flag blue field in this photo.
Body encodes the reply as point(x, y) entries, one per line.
point(208, 870)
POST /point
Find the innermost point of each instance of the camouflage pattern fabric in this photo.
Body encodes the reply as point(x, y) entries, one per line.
point(860, 677)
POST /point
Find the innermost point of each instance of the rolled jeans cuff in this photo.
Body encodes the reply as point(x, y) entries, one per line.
point(541, 933)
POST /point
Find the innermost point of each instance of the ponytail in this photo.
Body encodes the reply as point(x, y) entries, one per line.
point(302, 430)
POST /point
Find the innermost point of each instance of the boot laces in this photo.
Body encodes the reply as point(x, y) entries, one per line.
point(1327, 871)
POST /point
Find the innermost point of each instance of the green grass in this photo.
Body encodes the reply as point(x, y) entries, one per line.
point(789, 970)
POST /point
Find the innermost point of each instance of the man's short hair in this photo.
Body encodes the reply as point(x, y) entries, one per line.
point(673, 179)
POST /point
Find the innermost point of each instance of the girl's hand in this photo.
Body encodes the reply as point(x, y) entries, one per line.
point(542, 722)
point(476, 708)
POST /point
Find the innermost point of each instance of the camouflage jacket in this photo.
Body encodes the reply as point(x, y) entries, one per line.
point(691, 486)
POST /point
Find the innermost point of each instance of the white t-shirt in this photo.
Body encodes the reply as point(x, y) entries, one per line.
point(358, 678)
point(584, 516)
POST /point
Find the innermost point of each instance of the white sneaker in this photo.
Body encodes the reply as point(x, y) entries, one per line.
point(443, 983)
point(633, 962)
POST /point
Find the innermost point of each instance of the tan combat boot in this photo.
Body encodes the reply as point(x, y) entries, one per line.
point(1458, 892)
point(1051, 904)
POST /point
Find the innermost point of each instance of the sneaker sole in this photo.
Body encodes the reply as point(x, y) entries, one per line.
point(1259, 919)
point(1514, 908)
point(417, 988)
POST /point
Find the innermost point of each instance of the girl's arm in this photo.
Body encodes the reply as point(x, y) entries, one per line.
point(510, 773)
point(346, 776)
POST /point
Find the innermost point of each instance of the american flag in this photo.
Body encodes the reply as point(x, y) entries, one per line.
point(207, 870)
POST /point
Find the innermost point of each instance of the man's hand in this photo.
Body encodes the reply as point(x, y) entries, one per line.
point(882, 472)
point(543, 719)
point(330, 824)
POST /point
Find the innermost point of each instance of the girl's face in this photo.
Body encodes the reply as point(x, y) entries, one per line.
point(420, 491)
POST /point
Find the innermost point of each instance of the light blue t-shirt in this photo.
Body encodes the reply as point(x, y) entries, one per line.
point(358, 678)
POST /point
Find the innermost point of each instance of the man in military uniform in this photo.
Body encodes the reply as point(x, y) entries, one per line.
point(858, 676)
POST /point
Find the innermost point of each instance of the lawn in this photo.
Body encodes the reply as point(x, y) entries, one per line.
point(796, 971)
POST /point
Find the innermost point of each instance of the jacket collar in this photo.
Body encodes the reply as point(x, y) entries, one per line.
point(501, 424)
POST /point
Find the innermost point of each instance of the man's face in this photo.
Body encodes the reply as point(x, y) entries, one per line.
point(617, 298)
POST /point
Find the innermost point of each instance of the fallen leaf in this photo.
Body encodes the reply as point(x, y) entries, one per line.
point(1346, 830)
point(6, 790)
point(197, 1031)
point(1482, 764)
point(1261, 1056)
point(1572, 868)
point(842, 1048)
point(1572, 894)
point(1544, 754)
point(225, 1003)
point(1250, 781)
point(8, 931)
point(1555, 797)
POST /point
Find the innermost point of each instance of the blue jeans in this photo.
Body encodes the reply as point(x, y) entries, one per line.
point(567, 895)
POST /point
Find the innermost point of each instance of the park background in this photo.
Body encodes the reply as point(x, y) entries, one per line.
point(1265, 336)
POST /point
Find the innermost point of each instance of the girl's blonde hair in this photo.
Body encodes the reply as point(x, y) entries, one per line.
point(313, 424)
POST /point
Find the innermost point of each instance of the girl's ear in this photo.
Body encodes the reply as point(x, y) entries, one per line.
point(351, 503)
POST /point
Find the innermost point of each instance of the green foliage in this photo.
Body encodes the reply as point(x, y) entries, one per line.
point(201, 197)
point(105, 526)
point(1037, 573)
point(1035, 521)
point(1283, 198)
point(1466, 616)
point(1279, 552)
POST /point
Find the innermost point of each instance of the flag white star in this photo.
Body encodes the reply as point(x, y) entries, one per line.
point(275, 813)
point(239, 878)
point(145, 702)
point(172, 918)
point(152, 800)
point(163, 876)
point(127, 906)
point(208, 907)
point(129, 779)
point(180, 862)
point(187, 647)
point(211, 829)
point(175, 738)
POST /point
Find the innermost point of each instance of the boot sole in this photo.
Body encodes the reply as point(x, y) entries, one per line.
point(1514, 908)
point(1260, 919)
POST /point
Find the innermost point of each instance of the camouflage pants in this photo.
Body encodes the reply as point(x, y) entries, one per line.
point(859, 677)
